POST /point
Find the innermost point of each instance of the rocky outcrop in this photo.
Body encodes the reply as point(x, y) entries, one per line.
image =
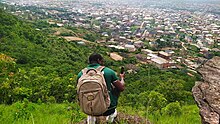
point(207, 92)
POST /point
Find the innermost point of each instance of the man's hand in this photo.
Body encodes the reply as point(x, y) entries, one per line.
point(122, 76)
point(120, 85)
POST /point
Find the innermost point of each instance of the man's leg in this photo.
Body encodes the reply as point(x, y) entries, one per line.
point(111, 117)
point(91, 119)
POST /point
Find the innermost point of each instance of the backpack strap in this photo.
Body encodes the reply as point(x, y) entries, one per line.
point(100, 68)
point(85, 70)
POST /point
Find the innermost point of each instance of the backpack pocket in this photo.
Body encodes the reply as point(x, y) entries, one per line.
point(93, 102)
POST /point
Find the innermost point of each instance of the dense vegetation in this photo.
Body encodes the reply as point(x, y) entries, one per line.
point(38, 70)
point(43, 68)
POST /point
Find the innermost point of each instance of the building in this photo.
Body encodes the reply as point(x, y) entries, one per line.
point(146, 51)
point(116, 57)
point(160, 62)
point(139, 44)
point(164, 55)
point(130, 48)
point(116, 47)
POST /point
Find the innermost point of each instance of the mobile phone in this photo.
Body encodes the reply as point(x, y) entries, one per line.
point(122, 70)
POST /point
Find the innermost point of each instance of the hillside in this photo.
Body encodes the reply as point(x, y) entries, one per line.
point(40, 59)
point(43, 69)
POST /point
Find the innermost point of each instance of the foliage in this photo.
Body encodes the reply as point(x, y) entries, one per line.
point(130, 60)
point(173, 90)
point(91, 37)
point(216, 53)
point(155, 89)
point(193, 50)
point(156, 101)
point(43, 68)
point(23, 110)
point(172, 109)
point(167, 42)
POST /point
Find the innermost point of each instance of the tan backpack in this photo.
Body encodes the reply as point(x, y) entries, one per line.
point(92, 92)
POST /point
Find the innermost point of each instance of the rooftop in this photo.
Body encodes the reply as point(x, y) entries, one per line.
point(159, 60)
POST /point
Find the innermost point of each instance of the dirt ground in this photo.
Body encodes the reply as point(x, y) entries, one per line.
point(70, 38)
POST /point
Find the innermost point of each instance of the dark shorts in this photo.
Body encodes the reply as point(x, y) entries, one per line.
point(109, 112)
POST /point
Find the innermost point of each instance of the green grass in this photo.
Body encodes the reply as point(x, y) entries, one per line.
point(32, 113)
point(190, 115)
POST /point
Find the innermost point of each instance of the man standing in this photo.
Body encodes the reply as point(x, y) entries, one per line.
point(114, 86)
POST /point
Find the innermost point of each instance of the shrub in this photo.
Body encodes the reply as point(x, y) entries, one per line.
point(172, 109)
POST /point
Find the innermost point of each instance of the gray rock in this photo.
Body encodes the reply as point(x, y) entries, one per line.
point(207, 92)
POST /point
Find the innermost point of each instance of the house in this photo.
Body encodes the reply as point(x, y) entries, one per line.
point(139, 44)
point(197, 32)
point(159, 32)
point(138, 35)
point(116, 47)
point(60, 24)
point(152, 56)
point(218, 39)
point(208, 35)
point(216, 31)
point(81, 43)
point(160, 62)
point(172, 64)
point(101, 41)
point(178, 27)
point(152, 34)
point(105, 34)
point(122, 39)
point(189, 31)
point(146, 51)
point(142, 57)
point(164, 55)
point(183, 30)
point(189, 63)
point(210, 41)
point(172, 33)
point(130, 48)
point(170, 52)
point(116, 57)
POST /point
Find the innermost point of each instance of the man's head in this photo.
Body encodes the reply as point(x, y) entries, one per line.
point(96, 58)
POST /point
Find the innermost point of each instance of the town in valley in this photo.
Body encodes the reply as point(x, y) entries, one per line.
point(170, 34)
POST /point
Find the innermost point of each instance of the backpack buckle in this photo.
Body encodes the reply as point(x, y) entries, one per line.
point(90, 97)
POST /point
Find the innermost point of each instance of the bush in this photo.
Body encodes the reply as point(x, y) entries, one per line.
point(51, 99)
point(23, 109)
point(172, 109)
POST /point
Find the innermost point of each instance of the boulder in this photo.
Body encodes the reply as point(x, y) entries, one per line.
point(207, 92)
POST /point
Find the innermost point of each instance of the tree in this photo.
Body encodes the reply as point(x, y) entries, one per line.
point(156, 101)
point(172, 90)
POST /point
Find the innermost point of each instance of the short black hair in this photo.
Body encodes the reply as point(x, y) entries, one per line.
point(93, 58)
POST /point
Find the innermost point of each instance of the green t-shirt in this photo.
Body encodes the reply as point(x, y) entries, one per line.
point(110, 76)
